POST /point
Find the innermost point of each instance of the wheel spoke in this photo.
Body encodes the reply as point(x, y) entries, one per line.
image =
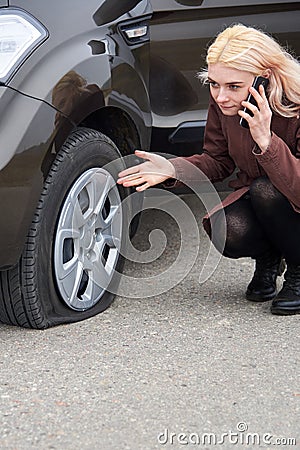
point(113, 242)
point(78, 219)
point(109, 228)
point(100, 276)
point(102, 184)
point(77, 280)
point(67, 233)
point(70, 275)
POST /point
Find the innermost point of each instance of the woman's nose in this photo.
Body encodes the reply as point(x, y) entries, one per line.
point(222, 96)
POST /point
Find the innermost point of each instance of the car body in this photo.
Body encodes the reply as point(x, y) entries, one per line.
point(104, 73)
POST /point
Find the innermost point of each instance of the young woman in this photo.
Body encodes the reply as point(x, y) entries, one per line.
point(263, 212)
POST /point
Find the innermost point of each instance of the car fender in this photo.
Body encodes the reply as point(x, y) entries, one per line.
point(35, 121)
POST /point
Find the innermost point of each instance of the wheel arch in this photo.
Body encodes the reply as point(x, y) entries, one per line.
point(116, 124)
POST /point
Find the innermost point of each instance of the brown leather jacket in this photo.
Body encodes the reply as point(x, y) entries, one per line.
point(227, 146)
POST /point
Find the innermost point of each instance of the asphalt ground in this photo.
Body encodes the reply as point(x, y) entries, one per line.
point(192, 366)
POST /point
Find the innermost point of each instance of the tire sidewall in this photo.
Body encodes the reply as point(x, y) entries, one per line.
point(82, 151)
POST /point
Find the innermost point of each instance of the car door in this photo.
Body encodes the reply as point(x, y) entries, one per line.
point(180, 32)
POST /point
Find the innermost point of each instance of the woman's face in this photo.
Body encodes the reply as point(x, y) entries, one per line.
point(229, 87)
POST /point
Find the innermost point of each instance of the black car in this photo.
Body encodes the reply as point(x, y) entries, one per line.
point(82, 84)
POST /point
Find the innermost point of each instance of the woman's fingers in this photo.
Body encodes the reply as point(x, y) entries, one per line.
point(129, 177)
point(133, 182)
point(136, 168)
point(130, 181)
point(129, 171)
point(143, 154)
point(156, 169)
point(262, 92)
point(259, 97)
point(263, 102)
point(143, 187)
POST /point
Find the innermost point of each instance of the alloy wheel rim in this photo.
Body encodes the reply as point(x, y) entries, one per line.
point(88, 239)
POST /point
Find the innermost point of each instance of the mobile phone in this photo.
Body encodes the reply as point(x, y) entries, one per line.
point(256, 83)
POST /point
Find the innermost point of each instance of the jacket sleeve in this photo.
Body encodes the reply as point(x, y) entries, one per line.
point(283, 167)
point(215, 161)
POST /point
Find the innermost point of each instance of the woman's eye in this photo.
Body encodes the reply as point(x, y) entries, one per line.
point(213, 83)
point(234, 87)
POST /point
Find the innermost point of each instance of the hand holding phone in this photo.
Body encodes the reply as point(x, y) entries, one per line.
point(256, 83)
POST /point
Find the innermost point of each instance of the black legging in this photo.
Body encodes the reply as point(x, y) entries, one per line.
point(261, 221)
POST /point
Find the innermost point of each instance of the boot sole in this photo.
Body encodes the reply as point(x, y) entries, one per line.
point(260, 299)
point(284, 311)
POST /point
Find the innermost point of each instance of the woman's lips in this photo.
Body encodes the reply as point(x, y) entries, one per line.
point(226, 107)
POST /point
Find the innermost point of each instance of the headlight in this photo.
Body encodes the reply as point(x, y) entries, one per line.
point(20, 35)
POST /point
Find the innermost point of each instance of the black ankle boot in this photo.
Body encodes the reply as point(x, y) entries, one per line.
point(288, 299)
point(262, 287)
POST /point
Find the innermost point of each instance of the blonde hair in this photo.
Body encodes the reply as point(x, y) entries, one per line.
point(246, 48)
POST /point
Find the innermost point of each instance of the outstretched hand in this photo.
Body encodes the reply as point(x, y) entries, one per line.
point(156, 169)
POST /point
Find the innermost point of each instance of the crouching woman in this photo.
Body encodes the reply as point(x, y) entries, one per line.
point(263, 212)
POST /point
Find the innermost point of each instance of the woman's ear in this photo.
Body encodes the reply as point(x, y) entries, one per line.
point(267, 73)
